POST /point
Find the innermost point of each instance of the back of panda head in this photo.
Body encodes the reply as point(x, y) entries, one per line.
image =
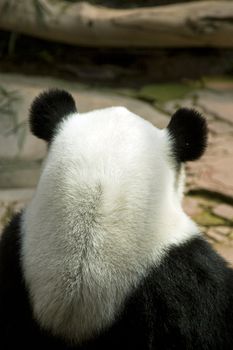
point(48, 110)
point(188, 132)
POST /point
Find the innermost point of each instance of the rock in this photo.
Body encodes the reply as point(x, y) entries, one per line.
point(226, 251)
point(224, 210)
point(15, 138)
point(2, 212)
point(217, 127)
point(221, 85)
point(16, 195)
point(217, 104)
point(209, 240)
point(207, 219)
point(191, 206)
point(223, 230)
point(19, 173)
point(213, 172)
point(215, 235)
point(231, 236)
point(171, 106)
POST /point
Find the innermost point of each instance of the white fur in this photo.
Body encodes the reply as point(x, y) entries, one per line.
point(106, 209)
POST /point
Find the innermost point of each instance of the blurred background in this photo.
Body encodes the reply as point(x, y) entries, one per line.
point(152, 56)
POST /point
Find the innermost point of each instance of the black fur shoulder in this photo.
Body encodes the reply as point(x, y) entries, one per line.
point(18, 329)
point(185, 303)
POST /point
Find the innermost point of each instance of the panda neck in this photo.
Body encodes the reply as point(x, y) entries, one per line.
point(72, 262)
point(173, 228)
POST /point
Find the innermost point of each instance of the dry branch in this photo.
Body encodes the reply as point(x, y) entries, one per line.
point(195, 24)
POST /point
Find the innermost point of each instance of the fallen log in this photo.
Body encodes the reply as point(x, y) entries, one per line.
point(193, 24)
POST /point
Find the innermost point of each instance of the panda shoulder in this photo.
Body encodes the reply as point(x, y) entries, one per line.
point(10, 251)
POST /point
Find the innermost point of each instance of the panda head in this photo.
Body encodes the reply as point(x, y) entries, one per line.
point(107, 208)
point(115, 131)
point(187, 128)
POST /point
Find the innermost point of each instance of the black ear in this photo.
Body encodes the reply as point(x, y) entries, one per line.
point(188, 131)
point(47, 110)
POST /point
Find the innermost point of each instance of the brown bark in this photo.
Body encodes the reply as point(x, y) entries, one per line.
point(195, 24)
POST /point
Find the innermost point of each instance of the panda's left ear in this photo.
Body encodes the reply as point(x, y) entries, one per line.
point(48, 110)
point(188, 132)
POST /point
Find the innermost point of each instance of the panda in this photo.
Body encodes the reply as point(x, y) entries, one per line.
point(104, 257)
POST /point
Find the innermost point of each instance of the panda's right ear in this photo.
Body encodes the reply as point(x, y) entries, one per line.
point(48, 110)
point(188, 131)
